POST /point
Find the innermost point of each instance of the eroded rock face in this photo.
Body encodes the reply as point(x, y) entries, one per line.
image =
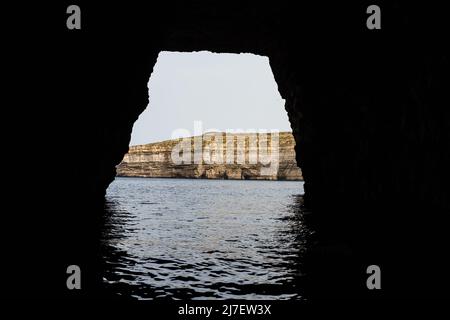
point(155, 159)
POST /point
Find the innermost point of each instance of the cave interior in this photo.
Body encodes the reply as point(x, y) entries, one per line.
point(368, 109)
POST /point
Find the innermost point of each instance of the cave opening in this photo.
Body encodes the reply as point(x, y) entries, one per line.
point(219, 223)
point(228, 103)
point(367, 110)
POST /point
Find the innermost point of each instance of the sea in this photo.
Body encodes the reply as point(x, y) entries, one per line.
point(203, 239)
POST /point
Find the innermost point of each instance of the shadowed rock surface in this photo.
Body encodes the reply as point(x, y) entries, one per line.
point(155, 159)
point(368, 109)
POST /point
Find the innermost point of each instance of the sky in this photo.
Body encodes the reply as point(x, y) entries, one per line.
point(204, 91)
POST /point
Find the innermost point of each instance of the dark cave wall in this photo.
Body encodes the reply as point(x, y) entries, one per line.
point(372, 101)
point(367, 108)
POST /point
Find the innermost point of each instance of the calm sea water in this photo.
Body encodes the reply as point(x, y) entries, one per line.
point(203, 239)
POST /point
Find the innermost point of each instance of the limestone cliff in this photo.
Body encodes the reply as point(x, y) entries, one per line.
point(238, 156)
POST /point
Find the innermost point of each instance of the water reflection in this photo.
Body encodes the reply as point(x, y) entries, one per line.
point(239, 240)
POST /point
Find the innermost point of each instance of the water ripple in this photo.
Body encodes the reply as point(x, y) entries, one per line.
point(203, 239)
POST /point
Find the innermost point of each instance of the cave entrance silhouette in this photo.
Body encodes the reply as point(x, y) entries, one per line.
point(203, 86)
point(233, 98)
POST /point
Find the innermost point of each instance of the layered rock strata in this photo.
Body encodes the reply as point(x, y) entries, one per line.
point(237, 156)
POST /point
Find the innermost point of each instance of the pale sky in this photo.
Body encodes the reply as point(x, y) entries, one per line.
point(223, 91)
